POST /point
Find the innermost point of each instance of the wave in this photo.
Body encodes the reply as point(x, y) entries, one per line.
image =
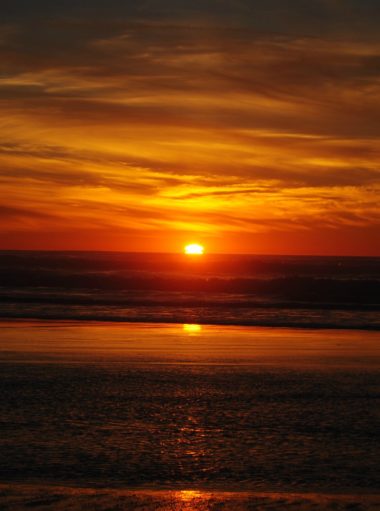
point(254, 290)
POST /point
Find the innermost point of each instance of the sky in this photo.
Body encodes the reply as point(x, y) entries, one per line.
point(248, 126)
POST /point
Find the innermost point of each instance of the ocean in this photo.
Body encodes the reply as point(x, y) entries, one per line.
point(320, 292)
point(168, 382)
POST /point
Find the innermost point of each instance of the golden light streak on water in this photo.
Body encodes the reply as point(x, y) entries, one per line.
point(192, 329)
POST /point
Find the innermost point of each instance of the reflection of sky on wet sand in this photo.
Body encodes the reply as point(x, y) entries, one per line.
point(188, 343)
point(191, 500)
point(189, 495)
point(194, 500)
point(74, 499)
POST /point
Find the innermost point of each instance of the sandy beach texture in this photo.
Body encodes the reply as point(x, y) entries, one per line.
point(24, 497)
point(102, 417)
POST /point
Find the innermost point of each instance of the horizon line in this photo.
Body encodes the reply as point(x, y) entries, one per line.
point(205, 254)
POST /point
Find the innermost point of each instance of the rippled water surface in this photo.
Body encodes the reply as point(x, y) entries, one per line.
point(186, 406)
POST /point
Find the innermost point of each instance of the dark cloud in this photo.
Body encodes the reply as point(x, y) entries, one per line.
point(305, 16)
point(7, 212)
point(326, 86)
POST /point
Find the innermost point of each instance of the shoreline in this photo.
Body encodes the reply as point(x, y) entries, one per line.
point(104, 320)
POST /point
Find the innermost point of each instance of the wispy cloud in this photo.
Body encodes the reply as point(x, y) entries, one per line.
point(153, 122)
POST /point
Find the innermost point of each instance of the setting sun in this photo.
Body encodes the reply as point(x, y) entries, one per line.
point(194, 249)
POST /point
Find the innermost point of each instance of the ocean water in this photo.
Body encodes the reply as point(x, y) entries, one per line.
point(333, 292)
point(165, 372)
point(186, 406)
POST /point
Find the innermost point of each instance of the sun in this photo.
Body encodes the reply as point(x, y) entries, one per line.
point(194, 249)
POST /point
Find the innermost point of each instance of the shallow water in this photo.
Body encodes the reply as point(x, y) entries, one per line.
point(189, 407)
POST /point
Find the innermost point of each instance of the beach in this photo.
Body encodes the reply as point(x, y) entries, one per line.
point(189, 255)
point(159, 416)
point(20, 498)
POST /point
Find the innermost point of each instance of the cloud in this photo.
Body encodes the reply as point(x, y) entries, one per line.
point(167, 118)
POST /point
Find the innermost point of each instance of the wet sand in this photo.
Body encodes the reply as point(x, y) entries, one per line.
point(24, 497)
point(154, 343)
point(98, 416)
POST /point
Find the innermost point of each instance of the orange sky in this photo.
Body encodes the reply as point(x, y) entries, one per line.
point(247, 128)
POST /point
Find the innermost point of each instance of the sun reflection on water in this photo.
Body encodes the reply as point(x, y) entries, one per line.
point(192, 329)
point(188, 495)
